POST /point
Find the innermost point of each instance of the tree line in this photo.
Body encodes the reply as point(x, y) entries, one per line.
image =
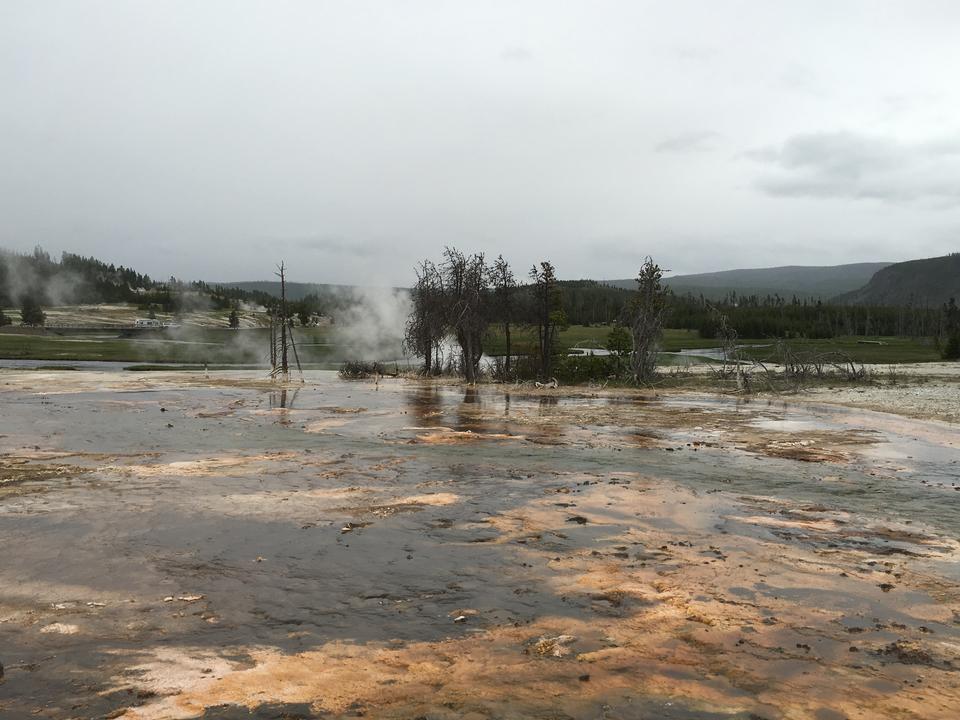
point(456, 301)
point(484, 294)
point(772, 316)
point(762, 316)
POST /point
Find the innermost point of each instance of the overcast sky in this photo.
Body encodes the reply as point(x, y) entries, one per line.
point(212, 139)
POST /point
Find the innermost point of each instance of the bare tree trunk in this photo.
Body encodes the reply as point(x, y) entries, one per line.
point(273, 341)
point(284, 366)
point(468, 366)
point(506, 331)
point(545, 344)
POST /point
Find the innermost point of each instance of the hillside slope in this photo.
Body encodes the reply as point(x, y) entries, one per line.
point(295, 290)
point(931, 281)
point(800, 280)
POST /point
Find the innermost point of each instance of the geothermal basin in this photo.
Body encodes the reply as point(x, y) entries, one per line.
point(182, 545)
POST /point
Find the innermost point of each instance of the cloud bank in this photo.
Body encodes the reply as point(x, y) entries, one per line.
point(849, 165)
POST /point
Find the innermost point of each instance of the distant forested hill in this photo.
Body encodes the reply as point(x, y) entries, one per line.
point(328, 299)
point(793, 280)
point(72, 279)
point(932, 281)
point(295, 290)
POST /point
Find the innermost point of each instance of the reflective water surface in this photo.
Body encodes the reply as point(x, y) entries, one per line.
point(183, 546)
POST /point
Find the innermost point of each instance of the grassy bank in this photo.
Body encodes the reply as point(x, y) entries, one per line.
point(193, 345)
point(524, 340)
point(870, 351)
point(320, 346)
point(876, 350)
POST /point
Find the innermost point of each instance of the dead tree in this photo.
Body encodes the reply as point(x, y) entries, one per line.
point(466, 285)
point(273, 340)
point(426, 325)
point(727, 335)
point(505, 291)
point(281, 334)
point(646, 316)
point(548, 313)
point(284, 365)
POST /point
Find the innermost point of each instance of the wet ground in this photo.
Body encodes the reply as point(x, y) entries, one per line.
point(177, 546)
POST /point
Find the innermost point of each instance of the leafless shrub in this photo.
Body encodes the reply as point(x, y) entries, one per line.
point(360, 369)
point(893, 375)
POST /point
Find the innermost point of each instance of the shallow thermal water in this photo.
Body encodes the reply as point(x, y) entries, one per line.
point(178, 546)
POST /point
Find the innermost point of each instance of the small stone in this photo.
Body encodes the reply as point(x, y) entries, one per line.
point(61, 629)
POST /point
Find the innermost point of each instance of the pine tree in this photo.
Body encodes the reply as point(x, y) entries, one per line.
point(646, 319)
point(31, 313)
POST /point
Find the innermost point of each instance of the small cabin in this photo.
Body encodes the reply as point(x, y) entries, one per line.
point(147, 323)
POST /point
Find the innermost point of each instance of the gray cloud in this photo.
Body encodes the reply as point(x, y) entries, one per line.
point(858, 166)
point(801, 79)
point(514, 53)
point(690, 142)
point(336, 246)
point(214, 139)
point(695, 53)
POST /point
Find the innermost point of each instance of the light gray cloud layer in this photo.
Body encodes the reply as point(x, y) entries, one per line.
point(847, 165)
point(689, 142)
point(211, 139)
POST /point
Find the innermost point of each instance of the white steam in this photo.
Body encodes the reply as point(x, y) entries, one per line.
point(21, 279)
point(372, 326)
